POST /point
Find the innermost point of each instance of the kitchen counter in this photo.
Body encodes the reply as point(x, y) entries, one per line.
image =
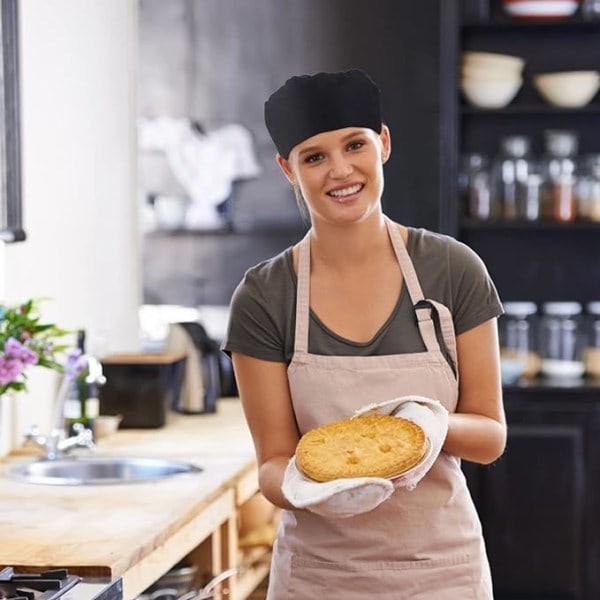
point(136, 531)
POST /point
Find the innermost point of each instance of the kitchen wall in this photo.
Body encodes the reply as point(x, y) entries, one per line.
point(215, 61)
point(78, 61)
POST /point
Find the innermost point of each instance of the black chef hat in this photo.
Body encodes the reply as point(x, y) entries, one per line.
point(310, 104)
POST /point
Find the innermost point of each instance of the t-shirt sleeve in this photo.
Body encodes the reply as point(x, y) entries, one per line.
point(474, 295)
point(252, 329)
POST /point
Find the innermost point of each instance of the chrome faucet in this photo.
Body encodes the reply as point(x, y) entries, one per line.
point(57, 443)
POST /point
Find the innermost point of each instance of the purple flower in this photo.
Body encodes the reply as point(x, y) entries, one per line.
point(10, 369)
point(14, 349)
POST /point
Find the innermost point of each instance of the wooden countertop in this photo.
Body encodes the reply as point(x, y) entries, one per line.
point(139, 530)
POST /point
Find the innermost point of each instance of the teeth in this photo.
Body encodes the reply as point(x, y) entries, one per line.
point(346, 191)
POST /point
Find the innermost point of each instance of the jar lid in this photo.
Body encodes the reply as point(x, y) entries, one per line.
point(516, 146)
point(561, 309)
point(519, 309)
point(593, 308)
point(561, 143)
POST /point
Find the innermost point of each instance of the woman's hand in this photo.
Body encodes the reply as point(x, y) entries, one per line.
point(264, 390)
point(477, 430)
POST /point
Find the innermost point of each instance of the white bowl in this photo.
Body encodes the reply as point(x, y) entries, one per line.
point(568, 89)
point(493, 60)
point(478, 72)
point(540, 9)
point(492, 93)
point(106, 425)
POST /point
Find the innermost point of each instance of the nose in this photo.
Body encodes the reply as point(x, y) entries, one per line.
point(340, 166)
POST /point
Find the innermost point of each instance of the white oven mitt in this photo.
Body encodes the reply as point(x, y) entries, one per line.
point(338, 498)
point(429, 414)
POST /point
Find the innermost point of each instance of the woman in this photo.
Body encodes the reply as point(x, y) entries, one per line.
point(345, 318)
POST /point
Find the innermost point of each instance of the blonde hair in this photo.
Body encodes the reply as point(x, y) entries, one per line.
point(301, 202)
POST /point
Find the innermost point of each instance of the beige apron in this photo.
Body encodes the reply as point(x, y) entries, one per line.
point(420, 544)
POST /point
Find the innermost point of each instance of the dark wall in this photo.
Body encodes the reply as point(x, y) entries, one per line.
point(216, 61)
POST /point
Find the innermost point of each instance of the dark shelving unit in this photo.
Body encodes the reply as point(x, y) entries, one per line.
point(538, 502)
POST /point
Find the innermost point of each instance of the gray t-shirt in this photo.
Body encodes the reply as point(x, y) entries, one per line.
point(262, 309)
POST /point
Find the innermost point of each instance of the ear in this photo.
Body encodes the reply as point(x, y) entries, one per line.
point(386, 143)
point(285, 166)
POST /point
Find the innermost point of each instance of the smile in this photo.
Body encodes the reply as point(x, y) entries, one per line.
point(347, 191)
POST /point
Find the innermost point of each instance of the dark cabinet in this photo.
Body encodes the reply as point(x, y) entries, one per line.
point(538, 502)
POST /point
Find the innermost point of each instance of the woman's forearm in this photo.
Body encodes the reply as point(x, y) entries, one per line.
point(270, 478)
point(475, 438)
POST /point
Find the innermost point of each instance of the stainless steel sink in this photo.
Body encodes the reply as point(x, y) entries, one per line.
point(96, 470)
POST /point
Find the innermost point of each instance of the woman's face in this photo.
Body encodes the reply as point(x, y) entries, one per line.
point(340, 172)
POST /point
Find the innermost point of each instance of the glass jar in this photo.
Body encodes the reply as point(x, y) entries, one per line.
point(559, 166)
point(588, 189)
point(592, 351)
point(562, 340)
point(517, 329)
point(529, 197)
point(474, 186)
point(511, 168)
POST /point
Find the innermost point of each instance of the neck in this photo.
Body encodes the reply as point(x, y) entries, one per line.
point(349, 245)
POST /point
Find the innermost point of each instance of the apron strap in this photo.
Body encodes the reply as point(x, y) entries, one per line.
point(303, 296)
point(408, 270)
point(422, 306)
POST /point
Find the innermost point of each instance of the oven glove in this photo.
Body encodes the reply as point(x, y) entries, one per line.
point(430, 415)
point(339, 498)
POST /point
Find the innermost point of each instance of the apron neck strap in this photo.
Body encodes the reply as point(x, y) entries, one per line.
point(303, 296)
point(406, 266)
point(422, 307)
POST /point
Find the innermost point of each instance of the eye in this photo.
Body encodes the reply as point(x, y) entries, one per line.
point(356, 145)
point(313, 158)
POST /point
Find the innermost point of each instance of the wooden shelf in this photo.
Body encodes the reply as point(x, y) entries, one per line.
point(497, 23)
point(513, 110)
point(534, 226)
point(582, 387)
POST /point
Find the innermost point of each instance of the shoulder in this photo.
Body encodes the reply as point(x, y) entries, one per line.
point(424, 241)
point(260, 279)
point(453, 273)
point(260, 307)
point(430, 247)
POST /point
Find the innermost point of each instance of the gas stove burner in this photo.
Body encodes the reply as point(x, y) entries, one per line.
point(22, 586)
point(54, 584)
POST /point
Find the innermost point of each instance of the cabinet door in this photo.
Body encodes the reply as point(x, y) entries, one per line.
point(530, 503)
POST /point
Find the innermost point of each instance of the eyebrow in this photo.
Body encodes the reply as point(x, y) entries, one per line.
point(312, 149)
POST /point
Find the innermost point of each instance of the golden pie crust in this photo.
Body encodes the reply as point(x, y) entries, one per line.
point(363, 446)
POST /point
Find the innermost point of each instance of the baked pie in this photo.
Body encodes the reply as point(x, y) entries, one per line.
point(362, 446)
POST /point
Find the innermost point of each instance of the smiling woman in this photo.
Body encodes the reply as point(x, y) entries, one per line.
point(11, 223)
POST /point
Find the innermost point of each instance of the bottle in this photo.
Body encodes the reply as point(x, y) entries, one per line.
point(510, 171)
point(82, 404)
point(588, 189)
point(474, 185)
point(562, 341)
point(560, 175)
point(592, 351)
point(518, 345)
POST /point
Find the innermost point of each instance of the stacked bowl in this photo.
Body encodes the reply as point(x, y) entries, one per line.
point(568, 89)
point(490, 80)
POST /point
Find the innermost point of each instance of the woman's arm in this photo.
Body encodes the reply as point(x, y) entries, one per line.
point(477, 431)
point(264, 390)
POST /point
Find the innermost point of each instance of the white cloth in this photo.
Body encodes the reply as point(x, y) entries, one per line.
point(338, 498)
point(430, 415)
point(206, 165)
